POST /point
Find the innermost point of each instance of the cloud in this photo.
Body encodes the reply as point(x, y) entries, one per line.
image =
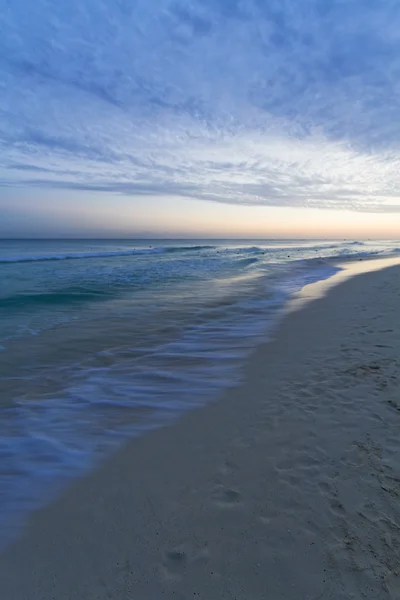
point(236, 102)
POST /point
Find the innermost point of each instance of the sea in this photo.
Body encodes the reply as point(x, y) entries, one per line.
point(104, 340)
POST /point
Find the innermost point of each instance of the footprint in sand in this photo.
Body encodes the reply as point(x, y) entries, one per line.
point(226, 497)
point(337, 507)
point(392, 584)
point(393, 404)
point(174, 563)
point(177, 562)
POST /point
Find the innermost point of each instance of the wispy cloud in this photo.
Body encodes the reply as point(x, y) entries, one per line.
point(293, 104)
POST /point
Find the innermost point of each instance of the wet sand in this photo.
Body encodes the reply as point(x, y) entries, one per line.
point(287, 487)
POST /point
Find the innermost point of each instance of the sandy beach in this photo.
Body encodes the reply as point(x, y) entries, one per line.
point(286, 488)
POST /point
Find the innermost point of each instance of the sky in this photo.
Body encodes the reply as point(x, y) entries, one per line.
point(211, 118)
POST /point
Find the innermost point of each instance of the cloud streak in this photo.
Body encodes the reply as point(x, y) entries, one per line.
point(228, 101)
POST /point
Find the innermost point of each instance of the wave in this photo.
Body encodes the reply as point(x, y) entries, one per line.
point(328, 246)
point(246, 262)
point(245, 250)
point(52, 298)
point(259, 250)
point(105, 254)
point(345, 254)
point(56, 257)
point(187, 248)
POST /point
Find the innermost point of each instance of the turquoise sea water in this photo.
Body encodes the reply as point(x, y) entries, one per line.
point(102, 340)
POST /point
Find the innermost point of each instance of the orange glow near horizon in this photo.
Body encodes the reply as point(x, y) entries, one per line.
point(121, 216)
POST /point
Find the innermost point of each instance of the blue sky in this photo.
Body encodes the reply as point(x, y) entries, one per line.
point(212, 116)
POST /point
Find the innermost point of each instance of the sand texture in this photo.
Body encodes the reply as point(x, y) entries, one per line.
point(288, 488)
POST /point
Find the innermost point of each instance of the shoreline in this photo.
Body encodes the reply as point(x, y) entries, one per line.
point(257, 495)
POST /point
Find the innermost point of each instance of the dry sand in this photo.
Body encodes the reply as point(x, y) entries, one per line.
point(287, 488)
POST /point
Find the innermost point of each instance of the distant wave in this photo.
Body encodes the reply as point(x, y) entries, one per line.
point(365, 254)
point(187, 248)
point(290, 247)
point(343, 245)
point(245, 262)
point(105, 254)
point(53, 298)
point(246, 250)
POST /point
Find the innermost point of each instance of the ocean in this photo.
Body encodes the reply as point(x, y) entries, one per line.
point(103, 340)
